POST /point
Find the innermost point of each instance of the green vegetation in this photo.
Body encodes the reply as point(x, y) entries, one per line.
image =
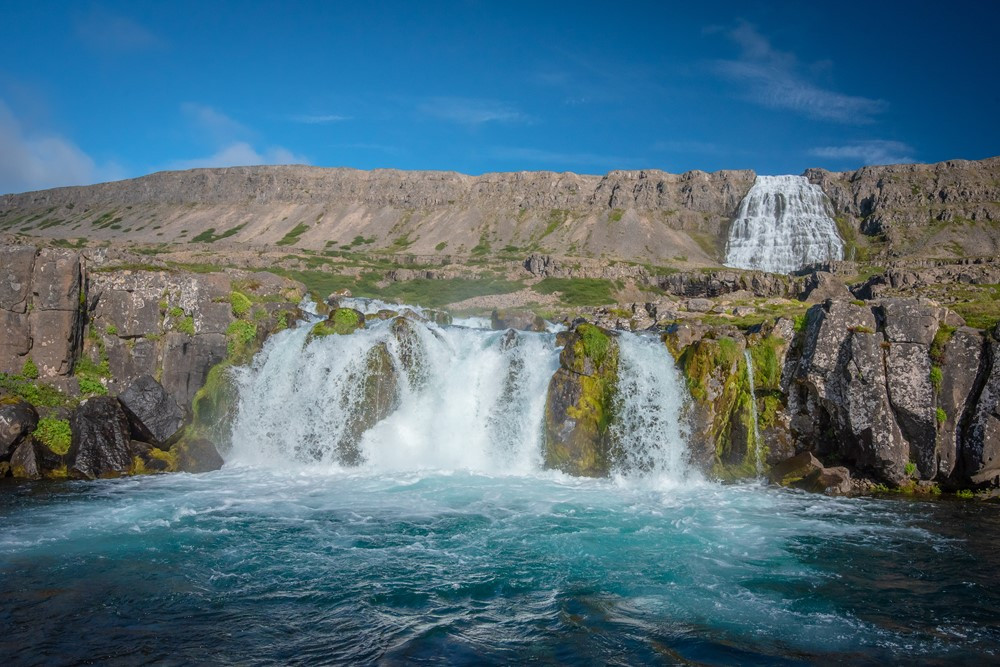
point(965, 494)
point(37, 393)
point(185, 325)
point(240, 303)
point(595, 342)
point(292, 237)
point(615, 215)
point(557, 216)
point(941, 416)
point(579, 291)
point(910, 468)
point(936, 378)
point(111, 330)
point(209, 235)
point(91, 387)
point(176, 311)
point(940, 342)
point(54, 434)
point(29, 370)
point(861, 329)
point(240, 341)
point(441, 246)
point(482, 248)
point(764, 354)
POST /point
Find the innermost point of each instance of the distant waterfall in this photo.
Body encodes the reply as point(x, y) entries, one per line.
point(783, 224)
point(450, 397)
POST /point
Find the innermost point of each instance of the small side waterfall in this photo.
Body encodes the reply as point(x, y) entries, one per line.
point(758, 459)
point(407, 395)
point(784, 223)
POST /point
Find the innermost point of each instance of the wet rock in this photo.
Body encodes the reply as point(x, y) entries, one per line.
point(804, 471)
point(152, 414)
point(980, 450)
point(410, 350)
point(579, 403)
point(101, 439)
point(341, 322)
point(521, 320)
point(794, 469)
point(197, 455)
point(17, 419)
point(148, 461)
point(187, 361)
point(375, 392)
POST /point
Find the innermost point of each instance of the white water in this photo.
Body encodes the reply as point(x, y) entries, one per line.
point(753, 414)
point(476, 402)
point(783, 224)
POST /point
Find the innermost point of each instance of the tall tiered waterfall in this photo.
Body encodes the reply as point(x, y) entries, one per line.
point(453, 397)
point(784, 223)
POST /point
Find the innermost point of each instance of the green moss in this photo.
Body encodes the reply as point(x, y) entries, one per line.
point(940, 342)
point(240, 303)
point(185, 325)
point(941, 416)
point(910, 468)
point(212, 404)
point(54, 434)
point(241, 337)
point(965, 494)
point(441, 246)
point(111, 330)
point(595, 342)
point(292, 237)
point(764, 354)
point(616, 215)
point(936, 378)
point(176, 312)
point(29, 370)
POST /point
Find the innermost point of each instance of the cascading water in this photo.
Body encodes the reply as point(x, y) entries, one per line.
point(758, 458)
point(783, 224)
point(408, 395)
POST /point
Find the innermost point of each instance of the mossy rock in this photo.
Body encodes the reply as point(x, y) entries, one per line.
point(342, 322)
point(410, 350)
point(579, 405)
point(376, 392)
point(214, 406)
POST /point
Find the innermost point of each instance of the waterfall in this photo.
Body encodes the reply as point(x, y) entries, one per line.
point(648, 428)
point(783, 224)
point(753, 414)
point(408, 395)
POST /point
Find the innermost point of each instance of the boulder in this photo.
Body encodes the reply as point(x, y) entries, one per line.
point(579, 403)
point(794, 469)
point(821, 285)
point(909, 321)
point(187, 361)
point(100, 446)
point(17, 419)
point(147, 461)
point(521, 320)
point(373, 392)
point(198, 455)
point(410, 350)
point(152, 414)
point(341, 322)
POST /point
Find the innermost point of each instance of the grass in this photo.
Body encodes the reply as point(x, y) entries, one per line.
point(54, 434)
point(579, 291)
point(292, 237)
point(209, 235)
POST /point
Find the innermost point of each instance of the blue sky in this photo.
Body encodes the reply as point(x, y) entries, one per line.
point(93, 92)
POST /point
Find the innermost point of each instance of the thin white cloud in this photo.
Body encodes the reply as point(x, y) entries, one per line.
point(318, 119)
point(472, 112)
point(217, 125)
point(772, 78)
point(104, 31)
point(241, 154)
point(38, 160)
point(875, 151)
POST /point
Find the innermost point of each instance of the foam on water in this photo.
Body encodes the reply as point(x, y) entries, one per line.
point(783, 224)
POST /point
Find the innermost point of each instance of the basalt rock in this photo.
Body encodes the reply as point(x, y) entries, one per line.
point(153, 415)
point(101, 437)
point(521, 320)
point(17, 419)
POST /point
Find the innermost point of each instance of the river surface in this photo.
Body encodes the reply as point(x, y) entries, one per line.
point(250, 566)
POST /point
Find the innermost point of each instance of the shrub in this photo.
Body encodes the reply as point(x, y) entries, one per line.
point(941, 416)
point(910, 468)
point(240, 302)
point(54, 434)
point(29, 369)
point(936, 378)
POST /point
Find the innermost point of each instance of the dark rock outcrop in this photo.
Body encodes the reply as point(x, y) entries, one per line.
point(521, 320)
point(101, 439)
point(17, 419)
point(153, 415)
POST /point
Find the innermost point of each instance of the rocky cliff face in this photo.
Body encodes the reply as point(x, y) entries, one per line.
point(948, 209)
point(77, 329)
point(634, 215)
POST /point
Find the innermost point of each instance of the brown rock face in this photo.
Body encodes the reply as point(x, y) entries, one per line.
point(911, 204)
